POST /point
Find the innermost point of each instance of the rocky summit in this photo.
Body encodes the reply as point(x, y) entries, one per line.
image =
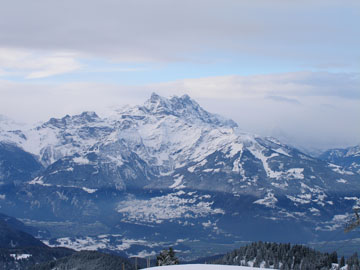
point(170, 173)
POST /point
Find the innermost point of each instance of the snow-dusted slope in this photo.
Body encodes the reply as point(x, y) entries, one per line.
point(170, 133)
point(349, 158)
point(203, 267)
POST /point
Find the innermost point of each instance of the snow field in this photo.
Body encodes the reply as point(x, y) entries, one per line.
point(203, 267)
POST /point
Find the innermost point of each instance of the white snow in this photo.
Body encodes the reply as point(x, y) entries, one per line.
point(20, 256)
point(236, 148)
point(167, 207)
point(89, 190)
point(114, 242)
point(177, 182)
point(259, 155)
point(337, 222)
point(343, 181)
point(300, 200)
point(356, 199)
point(339, 169)
point(282, 152)
point(86, 243)
point(295, 173)
point(39, 181)
point(352, 198)
point(81, 160)
point(269, 200)
point(116, 160)
point(143, 254)
point(237, 167)
point(283, 185)
point(203, 267)
point(202, 163)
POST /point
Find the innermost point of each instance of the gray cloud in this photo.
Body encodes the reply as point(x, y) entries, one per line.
point(290, 85)
point(284, 99)
point(312, 32)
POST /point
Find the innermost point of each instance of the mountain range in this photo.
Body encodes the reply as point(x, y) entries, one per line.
point(170, 173)
point(348, 158)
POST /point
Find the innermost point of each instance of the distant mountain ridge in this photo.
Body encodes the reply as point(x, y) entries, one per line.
point(349, 157)
point(21, 250)
point(13, 238)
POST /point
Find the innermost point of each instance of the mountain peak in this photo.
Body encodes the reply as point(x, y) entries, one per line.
point(154, 97)
point(89, 116)
point(156, 104)
point(184, 107)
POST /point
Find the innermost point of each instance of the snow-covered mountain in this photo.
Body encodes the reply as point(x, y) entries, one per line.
point(168, 143)
point(348, 158)
point(170, 163)
point(206, 267)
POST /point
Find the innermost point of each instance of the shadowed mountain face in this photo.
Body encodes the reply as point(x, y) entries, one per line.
point(167, 169)
point(13, 238)
point(16, 165)
point(20, 250)
point(13, 227)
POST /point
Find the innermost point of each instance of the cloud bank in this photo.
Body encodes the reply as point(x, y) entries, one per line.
point(310, 33)
point(312, 109)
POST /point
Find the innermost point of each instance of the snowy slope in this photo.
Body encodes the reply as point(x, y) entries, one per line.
point(348, 158)
point(204, 267)
point(57, 138)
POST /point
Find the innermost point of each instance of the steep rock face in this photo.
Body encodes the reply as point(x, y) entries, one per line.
point(348, 158)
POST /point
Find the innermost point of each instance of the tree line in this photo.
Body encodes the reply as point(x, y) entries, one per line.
point(286, 257)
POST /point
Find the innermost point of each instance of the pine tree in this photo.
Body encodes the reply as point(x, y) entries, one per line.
point(167, 257)
point(334, 257)
point(342, 262)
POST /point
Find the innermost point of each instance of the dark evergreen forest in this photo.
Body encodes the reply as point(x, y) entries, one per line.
point(286, 257)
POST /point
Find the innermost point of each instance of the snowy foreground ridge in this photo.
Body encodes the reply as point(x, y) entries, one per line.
point(204, 267)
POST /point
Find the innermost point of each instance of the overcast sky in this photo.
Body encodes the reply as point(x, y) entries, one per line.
point(289, 69)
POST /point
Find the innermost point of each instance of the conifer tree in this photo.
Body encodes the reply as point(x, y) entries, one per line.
point(342, 262)
point(167, 257)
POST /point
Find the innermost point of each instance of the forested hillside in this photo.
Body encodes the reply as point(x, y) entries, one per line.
point(285, 256)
